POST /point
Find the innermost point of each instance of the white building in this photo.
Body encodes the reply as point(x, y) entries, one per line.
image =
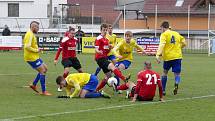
point(19, 13)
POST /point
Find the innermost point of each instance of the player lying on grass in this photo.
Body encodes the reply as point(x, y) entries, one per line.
point(145, 89)
point(83, 85)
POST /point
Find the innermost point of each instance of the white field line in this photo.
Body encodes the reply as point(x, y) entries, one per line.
point(103, 108)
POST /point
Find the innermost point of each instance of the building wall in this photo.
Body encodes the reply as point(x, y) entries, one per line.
point(177, 23)
point(27, 8)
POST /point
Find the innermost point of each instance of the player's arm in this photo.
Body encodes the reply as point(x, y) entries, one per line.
point(161, 47)
point(68, 90)
point(183, 43)
point(114, 40)
point(116, 49)
point(139, 48)
point(97, 43)
point(83, 34)
point(136, 92)
point(160, 88)
point(28, 43)
point(58, 54)
point(77, 89)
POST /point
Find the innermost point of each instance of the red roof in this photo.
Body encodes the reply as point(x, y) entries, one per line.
point(102, 8)
point(168, 6)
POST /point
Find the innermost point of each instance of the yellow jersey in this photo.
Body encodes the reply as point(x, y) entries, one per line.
point(31, 51)
point(125, 49)
point(112, 41)
point(76, 81)
point(173, 42)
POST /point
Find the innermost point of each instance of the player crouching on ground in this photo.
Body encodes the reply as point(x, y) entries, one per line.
point(147, 80)
point(84, 85)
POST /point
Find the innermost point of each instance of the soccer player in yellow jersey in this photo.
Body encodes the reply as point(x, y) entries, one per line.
point(112, 41)
point(31, 56)
point(170, 46)
point(83, 85)
point(124, 52)
point(124, 49)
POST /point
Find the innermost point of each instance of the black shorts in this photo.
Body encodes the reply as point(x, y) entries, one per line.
point(103, 64)
point(71, 62)
point(140, 98)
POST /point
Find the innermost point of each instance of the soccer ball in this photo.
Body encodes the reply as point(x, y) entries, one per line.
point(111, 81)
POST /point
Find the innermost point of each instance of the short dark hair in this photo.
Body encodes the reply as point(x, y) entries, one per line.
point(109, 25)
point(165, 24)
point(34, 22)
point(71, 29)
point(59, 79)
point(104, 25)
point(148, 64)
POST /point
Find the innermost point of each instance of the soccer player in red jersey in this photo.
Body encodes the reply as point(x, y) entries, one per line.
point(102, 48)
point(147, 81)
point(68, 48)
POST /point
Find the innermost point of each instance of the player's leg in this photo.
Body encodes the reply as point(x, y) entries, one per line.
point(67, 63)
point(34, 84)
point(122, 65)
point(166, 67)
point(77, 65)
point(98, 69)
point(42, 70)
point(104, 81)
point(117, 72)
point(35, 65)
point(88, 90)
point(112, 58)
point(176, 68)
point(103, 64)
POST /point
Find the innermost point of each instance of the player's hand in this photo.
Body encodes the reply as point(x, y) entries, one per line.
point(55, 62)
point(119, 56)
point(40, 50)
point(63, 96)
point(158, 59)
point(144, 53)
point(111, 46)
point(100, 52)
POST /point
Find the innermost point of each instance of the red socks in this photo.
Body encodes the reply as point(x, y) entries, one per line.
point(101, 85)
point(65, 75)
point(118, 73)
point(122, 87)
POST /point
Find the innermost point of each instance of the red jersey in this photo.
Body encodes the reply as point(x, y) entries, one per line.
point(146, 84)
point(103, 45)
point(68, 46)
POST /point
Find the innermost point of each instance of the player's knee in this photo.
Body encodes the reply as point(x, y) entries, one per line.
point(82, 96)
point(111, 66)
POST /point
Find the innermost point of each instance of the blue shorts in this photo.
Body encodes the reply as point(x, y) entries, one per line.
point(174, 64)
point(35, 64)
point(126, 63)
point(92, 84)
point(111, 57)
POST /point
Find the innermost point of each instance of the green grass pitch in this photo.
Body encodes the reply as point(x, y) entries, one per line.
point(17, 102)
